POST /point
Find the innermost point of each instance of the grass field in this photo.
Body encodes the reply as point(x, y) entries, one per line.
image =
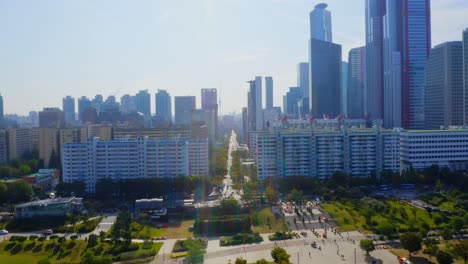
point(276, 224)
point(32, 252)
point(68, 252)
point(403, 216)
point(178, 229)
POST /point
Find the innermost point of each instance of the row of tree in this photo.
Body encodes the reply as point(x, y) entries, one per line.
point(16, 192)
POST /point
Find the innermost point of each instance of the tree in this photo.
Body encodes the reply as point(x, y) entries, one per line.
point(367, 245)
point(92, 240)
point(411, 242)
point(195, 252)
point(87, 258)
point(431, 250)
point(20, 191)
point(3, 193)
point(44, 261)
point(24, 169)
point(457, 224)
point(240, 261)
point(262, 261)
point(280, 255)
point(444, 257)
point(271, 195)
point(229, 206)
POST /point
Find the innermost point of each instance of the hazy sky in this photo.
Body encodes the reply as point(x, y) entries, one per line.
point(50, 49)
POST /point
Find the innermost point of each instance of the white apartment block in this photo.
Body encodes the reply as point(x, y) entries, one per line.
point(423, 148)
point(128, 158)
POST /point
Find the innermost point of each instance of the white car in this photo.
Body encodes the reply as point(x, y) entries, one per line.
point(3, 232)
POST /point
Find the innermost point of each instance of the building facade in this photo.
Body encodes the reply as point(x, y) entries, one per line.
point(465, 73)
point(407, 44)
point(356, 87)
point(444, 98)
point(269, 92)
point(163, 106)
point(143, 103)
point(51, 117)
point(374, 85)
point(68, 106)
point(184, 105)
point(320, 23)
point(19, 142)
point(128, 158)
point(303, 78)
point(254, 107)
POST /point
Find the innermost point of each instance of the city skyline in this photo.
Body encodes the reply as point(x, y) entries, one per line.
point(42, 58)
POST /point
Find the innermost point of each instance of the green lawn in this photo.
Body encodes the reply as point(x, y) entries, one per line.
point(351, 215)
point(276, 224)
point(32, 252)
point(178, 229)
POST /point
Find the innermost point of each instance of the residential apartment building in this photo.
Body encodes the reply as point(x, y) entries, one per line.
point(19, 142)
point(128, 158)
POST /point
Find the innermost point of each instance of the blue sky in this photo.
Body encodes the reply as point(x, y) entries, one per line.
point(50, 49)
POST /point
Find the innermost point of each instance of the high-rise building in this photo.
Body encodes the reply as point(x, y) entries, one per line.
point(68, 104)
point(465, 74)
point(184, 105)
point(320, 23)
point(290, 102)
point(444, 86)
point(407, 43)
point(324, 65)
point(356, 82)
point(51, 117)
point(2, 117)
point(325, 78)
point(46, 140)
point(19, 142)
point(83, 103)
point(209, 101)
point(3, 146)
point(128, 104)
point(163, 106)
point(254, 107)
point(269, 92)
point(303, 78)
point(344, 87)
point(143, 103)
point(373, 101)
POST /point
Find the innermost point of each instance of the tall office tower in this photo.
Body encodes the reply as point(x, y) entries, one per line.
point(209, 98)
point(143, 103)
point(97, 102)
point(324, 65)
point(373, 101)
point(83, 103)
point(244, 124)
point(184, 105)
point(254, 107)
point(269, 92)
point(19, 142)
point(444, 86)
point(127, 104)
point(51, 117)
point(303, 78)
point(3, 146)
point(290, 102)
point(465, 75)
point(344, 88)
point(407, 43)
point(68, 104)
point(163, 106)
point(320, 23)
point(2, 117)
point(356, 82)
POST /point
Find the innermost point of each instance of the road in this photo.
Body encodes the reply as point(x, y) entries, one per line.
point(228, 191)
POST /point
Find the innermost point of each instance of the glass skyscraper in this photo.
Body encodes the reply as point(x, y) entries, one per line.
point(407, 43)
point(465, 74)
point(373, 101)
point(163, 106)
point(320, 23)
point(269, 92)
point(356, 82)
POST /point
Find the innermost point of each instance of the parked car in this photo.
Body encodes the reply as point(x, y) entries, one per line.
point(159, 238)
point(47, 232)
point(3, 232)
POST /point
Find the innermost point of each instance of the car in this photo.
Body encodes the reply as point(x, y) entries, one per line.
point(159, 238)
point(47, 232)
point(3, 232)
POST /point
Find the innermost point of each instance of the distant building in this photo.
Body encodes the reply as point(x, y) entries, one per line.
point(290, 102)
point(68, 104)
point(46, 140)
point(184, 105)
point(19, 142)
point(344, 87)
point(303, 79)
point(83, 103)
point(3, 146)
point(49, 208)
point(356, 82)
point(444, 97)
point(209, 101)
point(2, 117)
point(163, 106)
point(143, 103)
point(269, 92)
point(45, 179)
point(254, 106)
point(51, 117)
point(465, 73)
point(320, 23)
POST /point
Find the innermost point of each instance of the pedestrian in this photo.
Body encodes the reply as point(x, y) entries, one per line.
point(309, 254)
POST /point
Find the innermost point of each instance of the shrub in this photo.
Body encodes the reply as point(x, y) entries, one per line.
point(240, 239)
point(280, 236)
point(227, 225)
point(41, 239)
point(33, 237)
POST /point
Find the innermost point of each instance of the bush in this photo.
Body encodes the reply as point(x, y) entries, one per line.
point(41, 239)
point(240, 239)
point(20, 239)
point(33, 237)
point(182, 245)
point(227, 225)
point(280, 236)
